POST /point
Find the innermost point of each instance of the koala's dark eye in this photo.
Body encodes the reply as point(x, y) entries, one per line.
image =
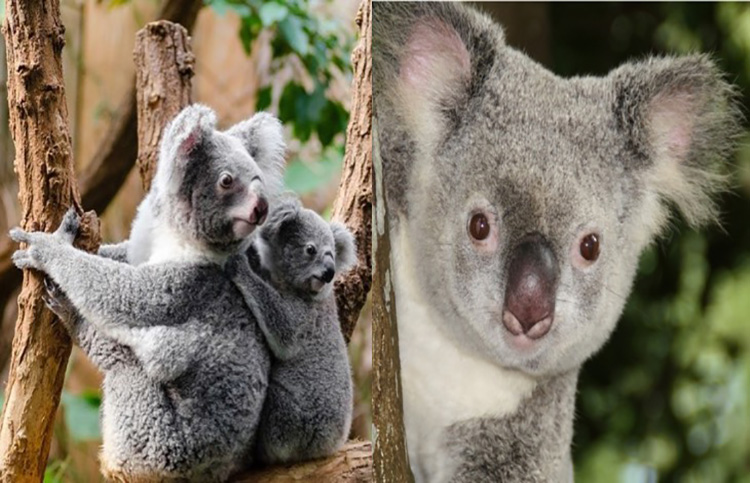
point(479, 226)
point(590, 247)
point(311, 250)
point(226, 180)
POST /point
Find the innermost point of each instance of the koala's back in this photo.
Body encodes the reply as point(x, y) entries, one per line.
point(308, 409)
point(202, 424)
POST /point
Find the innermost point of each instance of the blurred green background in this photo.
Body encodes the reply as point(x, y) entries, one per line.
point(668, 398)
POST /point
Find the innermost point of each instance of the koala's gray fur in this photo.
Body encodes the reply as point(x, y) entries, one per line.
point(469, 125)
point(308, 408)
point(184, 361)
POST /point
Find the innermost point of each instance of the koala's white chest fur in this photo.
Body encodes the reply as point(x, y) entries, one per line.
point(442, 384)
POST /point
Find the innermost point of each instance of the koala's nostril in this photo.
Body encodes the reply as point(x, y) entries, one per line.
point(531, 288)
point(328, 275)
point(259, 212)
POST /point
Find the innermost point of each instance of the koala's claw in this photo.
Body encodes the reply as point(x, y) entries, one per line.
point(24, 259)
point(19, 235)
point(69, 226)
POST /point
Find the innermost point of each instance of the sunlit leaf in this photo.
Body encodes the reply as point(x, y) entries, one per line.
point(272, 12)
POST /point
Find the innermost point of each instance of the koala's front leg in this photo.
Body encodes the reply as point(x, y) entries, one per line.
point(282, 320)
point(104, 352)
point(105, 292)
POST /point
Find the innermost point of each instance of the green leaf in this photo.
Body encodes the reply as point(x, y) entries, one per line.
point(264, 98)
point(295, 35)
point(82, 416)
point(272, 12)
point(287, 103)
point(303, 178)
point(250, 28)
point(1, 402)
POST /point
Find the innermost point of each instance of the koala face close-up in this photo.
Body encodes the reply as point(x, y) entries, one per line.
point(534, 274)
point(221, 181)
point(228, 191)
point(530, 196)
point(302, 251)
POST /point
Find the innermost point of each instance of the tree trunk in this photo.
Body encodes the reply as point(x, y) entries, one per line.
point(352, 464)
point(353, 204)
point(390, 454)
point(164, 69)
point(34, 37)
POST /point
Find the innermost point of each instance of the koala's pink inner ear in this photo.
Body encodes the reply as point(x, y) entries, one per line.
point(191, 140)
point(434, 54)
point(672, 118)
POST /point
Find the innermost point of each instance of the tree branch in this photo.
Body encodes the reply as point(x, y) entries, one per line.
point(164, 66)
point(353, 204)
point(34, 37)
point(352, 464)
point(390, 453)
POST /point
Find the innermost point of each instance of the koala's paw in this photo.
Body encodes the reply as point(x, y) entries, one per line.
point(69, 226)
point(56, 300)
point(27, 259)
point(237, 266)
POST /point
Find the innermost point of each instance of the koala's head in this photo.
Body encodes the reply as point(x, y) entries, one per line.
point(302, 252)
point(213, 187)
point(526, 199)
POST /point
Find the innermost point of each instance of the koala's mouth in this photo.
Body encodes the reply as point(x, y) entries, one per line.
point(317, 285)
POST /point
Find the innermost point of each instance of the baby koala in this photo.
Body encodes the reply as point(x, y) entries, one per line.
point(308, 408)
point(184, 361)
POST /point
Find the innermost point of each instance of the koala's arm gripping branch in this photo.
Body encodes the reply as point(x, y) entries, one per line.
point(112, 294)
point(282, 320)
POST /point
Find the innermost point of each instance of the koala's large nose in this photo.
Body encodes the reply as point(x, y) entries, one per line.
point(260, 211)
point(531, 288)
point(328, 275)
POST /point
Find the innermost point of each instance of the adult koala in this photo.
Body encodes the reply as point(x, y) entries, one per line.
point(184, 361)
point(519, 205)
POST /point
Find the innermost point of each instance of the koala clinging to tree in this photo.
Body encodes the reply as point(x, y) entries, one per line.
point(308, 409)
point(184, 361)
point(519, 203)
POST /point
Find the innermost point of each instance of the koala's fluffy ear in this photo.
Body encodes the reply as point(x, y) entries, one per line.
point(428, 60)
point(192, 126)
point(346, 247)
point(285, 210)
point(680, 119)
point(263, 137)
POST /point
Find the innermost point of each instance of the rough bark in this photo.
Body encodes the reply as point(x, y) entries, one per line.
point(107, 171)
point(353, 204)
point(38, 114)
point(352, 464)
point(164, 69)
point(390, 454)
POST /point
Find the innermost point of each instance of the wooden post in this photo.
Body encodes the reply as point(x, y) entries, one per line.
point(353, 204)
point(34, 37)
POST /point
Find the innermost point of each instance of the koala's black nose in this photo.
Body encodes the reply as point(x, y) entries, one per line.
point(259, 212)
point(328, 275)
point(531, 288)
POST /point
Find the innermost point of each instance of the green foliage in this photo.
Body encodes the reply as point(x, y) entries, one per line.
point(82, 415)
point(304, 178)
point(56, 471)
point(319, 48)
point(668, 398)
